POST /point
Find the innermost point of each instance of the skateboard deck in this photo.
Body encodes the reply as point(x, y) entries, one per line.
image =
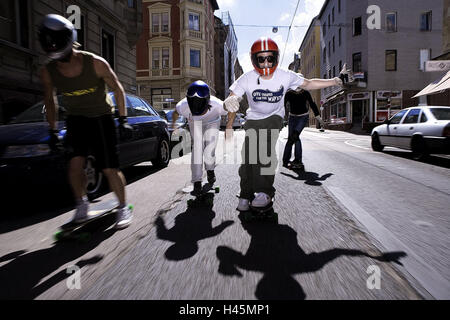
point(207, 188)
point(260, 215)
point(96, 212)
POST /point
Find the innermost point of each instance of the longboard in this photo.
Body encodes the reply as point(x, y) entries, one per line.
point(96, 211)
point(207, 188)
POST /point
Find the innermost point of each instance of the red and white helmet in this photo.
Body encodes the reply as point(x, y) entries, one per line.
point(264, 44)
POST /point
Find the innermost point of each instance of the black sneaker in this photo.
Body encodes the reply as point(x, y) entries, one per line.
point(211, 176)
point(297, 165)
point(287, 164)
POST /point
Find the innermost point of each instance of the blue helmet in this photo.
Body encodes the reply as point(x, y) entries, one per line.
point(198, 97)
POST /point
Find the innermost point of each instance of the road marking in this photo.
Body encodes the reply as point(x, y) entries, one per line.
point(427, 276)
point(347, 142)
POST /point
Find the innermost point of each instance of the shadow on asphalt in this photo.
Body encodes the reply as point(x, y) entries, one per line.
point(191, 226)
point(279, 257)
point(27, 205)
point(310, 178)
point(435, 160)
point(21, 277)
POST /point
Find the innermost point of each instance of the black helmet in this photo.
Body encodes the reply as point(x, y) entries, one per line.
point(57, 35)
point(198, 97)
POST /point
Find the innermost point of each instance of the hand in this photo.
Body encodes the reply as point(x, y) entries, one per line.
point(232, 104)
point(125, 130)
point(322, 123)
point(53, 141)
point(339, 81)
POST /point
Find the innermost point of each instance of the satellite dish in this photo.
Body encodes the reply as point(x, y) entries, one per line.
point(275, 29)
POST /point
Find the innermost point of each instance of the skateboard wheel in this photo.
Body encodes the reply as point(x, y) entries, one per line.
point(58, 236)
point(130, 206)
point(217, 190)
point(84, 237)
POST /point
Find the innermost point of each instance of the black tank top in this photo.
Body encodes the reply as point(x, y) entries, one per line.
point(297, 102)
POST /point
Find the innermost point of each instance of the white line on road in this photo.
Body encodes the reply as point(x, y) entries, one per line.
point(347, 142)
point(427, 276)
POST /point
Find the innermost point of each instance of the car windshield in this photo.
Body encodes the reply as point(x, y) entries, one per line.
point(36, 113)
point(441, 113)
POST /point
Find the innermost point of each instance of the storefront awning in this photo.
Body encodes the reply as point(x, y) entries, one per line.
point(437, 86)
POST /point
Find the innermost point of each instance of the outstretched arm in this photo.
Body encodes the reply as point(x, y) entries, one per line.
point(315, 84)
point(50, 106)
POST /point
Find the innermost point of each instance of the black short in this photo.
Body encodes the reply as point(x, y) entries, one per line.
point(93, 136)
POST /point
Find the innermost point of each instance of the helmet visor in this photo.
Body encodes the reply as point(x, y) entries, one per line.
point(198, 91)
point(197, 105)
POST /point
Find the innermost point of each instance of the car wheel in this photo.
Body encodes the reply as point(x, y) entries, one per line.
point(163, 157)
point(376, 144)
point(419, 148)
point(94, 177)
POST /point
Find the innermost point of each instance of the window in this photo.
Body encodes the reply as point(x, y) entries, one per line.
point(324, 28)
point(195, 58)
point(131, 4)
point(391, 22)
point(80, 34)
point(155, 58)
point(334, 72)
point(329, 23)
point(425, 21)
point(412, 116)
point(325, 76)
point(160, 22)
point(357, 26)
point(340, 65)
point(108, 47)
point(425, 55)
point(329, 48)
point(397, 117)
point(194, 22)
point(165, 58)
point(329, 74)
point(14, 22)
point(339, 6)
point(333, 44)
point(161, 98)
point(357, 62)
point(332, 15)
point(391, 60)
point(140, 109)
point(324, 55)
point(423, 117)
point(340, 37)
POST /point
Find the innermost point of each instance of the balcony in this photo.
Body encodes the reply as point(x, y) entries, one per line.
point(193, 34)
point(161, 72)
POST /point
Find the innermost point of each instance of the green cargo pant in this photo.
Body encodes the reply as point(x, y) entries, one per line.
point(259, 158)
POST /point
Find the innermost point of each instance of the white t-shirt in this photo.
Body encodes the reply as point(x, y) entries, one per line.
point(212, 115)
point(266, 98)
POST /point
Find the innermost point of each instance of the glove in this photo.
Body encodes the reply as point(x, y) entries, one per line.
point(232, 104)
point(345, 76)
point(319, 118)
point(125, 130)
point(53, 141)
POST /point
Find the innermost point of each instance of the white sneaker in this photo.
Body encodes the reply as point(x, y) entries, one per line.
point(81, 213)
point(124, 217)
point(261, 200)
point(244, 204)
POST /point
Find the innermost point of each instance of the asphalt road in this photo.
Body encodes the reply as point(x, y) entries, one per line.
point(352, 212)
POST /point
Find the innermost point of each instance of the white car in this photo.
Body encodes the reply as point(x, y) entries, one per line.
point(421, 129)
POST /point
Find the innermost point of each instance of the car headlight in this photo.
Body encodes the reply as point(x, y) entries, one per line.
point(25, 151)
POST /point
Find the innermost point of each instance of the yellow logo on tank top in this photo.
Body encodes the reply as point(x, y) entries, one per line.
point(80, 92)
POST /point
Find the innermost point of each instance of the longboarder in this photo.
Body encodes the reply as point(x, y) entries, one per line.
point(203, 112)
point(265, 87)
point(80, 78)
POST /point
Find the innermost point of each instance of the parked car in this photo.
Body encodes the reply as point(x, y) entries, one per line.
point(238, 122)
point(421, 129)
point(25, 154)
point(179, 131)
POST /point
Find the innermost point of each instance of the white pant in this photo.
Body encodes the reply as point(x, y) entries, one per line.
point(204, 140)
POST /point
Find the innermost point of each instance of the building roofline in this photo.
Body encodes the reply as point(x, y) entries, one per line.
point(307, 31)
point(325, 4)
point(214, 4)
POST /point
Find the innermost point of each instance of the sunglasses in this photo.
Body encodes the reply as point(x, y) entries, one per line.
point(270, 59)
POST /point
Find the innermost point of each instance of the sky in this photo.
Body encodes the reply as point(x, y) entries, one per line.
point(268, 14)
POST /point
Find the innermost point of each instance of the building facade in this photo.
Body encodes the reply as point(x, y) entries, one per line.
point(388, 62)
point(175, 49)
point(226, 55)
point(107, 28)
point(309, 61)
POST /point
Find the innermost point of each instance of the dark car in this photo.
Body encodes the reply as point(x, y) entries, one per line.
point(25, 155)
point(179, 131)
